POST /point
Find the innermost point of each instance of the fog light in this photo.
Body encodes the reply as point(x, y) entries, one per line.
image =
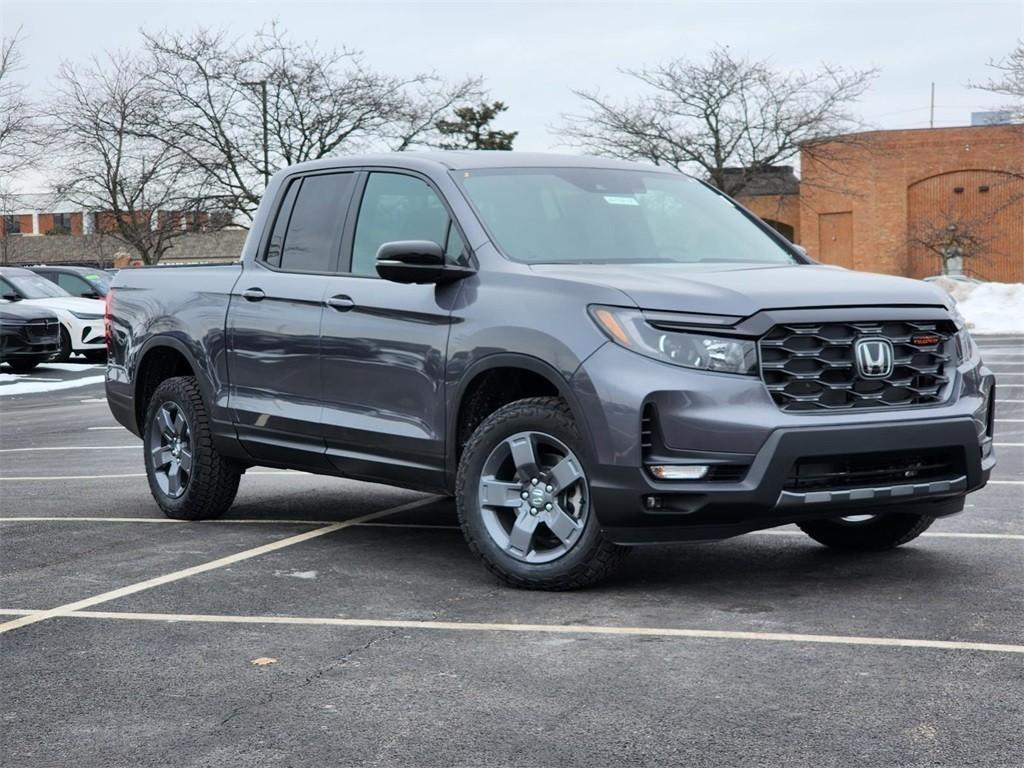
point(679, 471)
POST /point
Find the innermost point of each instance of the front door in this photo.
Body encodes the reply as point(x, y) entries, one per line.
point(383, 344)
point(273, 324)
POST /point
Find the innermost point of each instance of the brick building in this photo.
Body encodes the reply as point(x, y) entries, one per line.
point(864, 200)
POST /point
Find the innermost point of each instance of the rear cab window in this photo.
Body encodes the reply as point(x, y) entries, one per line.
point(307, 229)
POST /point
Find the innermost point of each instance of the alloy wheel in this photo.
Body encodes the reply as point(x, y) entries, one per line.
point(534, 498)
point(170, 447)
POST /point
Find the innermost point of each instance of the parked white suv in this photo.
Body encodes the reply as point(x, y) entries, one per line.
point(81, 320)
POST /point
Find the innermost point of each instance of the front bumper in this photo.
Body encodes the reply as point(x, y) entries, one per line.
point(731, 422)
point(21, 342)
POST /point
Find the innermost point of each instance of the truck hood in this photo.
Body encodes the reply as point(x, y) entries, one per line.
point(744, 290)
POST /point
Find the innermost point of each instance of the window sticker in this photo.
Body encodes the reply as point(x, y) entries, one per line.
point(620, 200)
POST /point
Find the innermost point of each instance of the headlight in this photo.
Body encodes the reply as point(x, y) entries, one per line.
point(86, 315)
point(690, 349)
point(965, 347)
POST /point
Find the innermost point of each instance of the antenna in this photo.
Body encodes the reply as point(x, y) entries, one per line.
point(931, 114)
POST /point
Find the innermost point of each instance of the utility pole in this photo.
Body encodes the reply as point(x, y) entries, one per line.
point(266, 131)
point(931, 118)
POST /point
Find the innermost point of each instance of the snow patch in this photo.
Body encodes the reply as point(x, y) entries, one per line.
point(15, 384)
point(297, 574)
point(989, 308)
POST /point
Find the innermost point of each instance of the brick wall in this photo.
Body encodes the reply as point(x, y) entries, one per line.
point(781, 208)
point(876, 178)
point(225, 245)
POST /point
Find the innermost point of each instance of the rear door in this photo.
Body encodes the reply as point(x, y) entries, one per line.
point(384, 344)
point(274, 324)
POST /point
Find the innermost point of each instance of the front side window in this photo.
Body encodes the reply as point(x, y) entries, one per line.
point(12, 225)
point(396, 207)
point(306, 233)
point(610, 216)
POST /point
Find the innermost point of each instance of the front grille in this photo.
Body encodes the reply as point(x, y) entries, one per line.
point(874, 469)
point(41, 330)
point(812, 366)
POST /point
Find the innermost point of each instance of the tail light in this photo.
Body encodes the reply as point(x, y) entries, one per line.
point(108, 331)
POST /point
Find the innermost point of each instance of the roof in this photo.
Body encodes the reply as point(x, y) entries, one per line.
point(771, 180)
point(477, 159)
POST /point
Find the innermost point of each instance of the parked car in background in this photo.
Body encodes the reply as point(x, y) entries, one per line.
point(81, 320)
point(84, 282)
point(29, 335)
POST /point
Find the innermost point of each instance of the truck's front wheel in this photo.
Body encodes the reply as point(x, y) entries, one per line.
point(867, 533)
point(524, 499)
point(188, 478)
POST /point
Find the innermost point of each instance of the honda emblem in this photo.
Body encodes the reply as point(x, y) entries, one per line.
point(874, 358)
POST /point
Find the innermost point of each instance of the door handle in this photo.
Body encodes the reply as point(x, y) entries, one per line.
point(340, 303)
point(253, 294)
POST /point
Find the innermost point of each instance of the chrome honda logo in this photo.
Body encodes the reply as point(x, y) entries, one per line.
point(874, 358)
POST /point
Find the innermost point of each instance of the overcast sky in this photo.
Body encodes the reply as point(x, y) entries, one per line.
point(533, 53)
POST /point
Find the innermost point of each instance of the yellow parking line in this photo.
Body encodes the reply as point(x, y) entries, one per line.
point(557, 629)
point(30, 478)
point(204, 567)
point(429, 526)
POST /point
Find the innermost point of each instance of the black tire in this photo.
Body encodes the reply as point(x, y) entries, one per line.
point(882, 532)
point(591, 558)
point(64, 353)
point(25, 364)
point(211, 486)
point(96, 356)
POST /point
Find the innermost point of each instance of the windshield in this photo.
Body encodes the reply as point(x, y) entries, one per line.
point(35, 287)
point(99, 280)
point(602, 216)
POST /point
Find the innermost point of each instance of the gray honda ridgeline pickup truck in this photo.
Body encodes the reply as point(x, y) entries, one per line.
point(588, 354)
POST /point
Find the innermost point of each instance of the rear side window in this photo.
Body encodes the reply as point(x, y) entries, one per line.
point(395, 207)
point(306, 233)
point(73, 284)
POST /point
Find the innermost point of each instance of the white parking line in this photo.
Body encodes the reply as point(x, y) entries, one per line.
point(1006, 482)
point(1008, 445)
point(185, 573)
point(553, 629)
point(96, 429)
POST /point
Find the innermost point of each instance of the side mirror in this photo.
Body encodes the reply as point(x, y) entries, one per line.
point(417, 261)
point(11, 296)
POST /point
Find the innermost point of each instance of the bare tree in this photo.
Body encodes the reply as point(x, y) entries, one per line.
point(954, 238)
point(143, 192)
point(726, 112)
point(18, 146)
point(318, 103)
point(1009, 80)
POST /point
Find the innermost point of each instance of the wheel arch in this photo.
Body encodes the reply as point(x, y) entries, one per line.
point(539, 378)
point(160, 359)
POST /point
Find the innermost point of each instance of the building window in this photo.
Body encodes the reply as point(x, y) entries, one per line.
point(12, 225)
point(61, 224)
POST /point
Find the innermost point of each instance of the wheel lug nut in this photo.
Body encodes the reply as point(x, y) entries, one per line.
point(535, 481)
point(534, 511)
point(547, 507)
point(525, 495)
point(549, 488)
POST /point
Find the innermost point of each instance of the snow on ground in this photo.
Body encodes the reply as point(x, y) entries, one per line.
point(29, 384)
point(44, 378)
point(989, 308)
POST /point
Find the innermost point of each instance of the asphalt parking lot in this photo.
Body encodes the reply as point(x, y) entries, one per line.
point(330, 622)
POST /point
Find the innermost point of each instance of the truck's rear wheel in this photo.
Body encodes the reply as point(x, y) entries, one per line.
point(867, 533)
point(524, 499)
point(188, 478)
